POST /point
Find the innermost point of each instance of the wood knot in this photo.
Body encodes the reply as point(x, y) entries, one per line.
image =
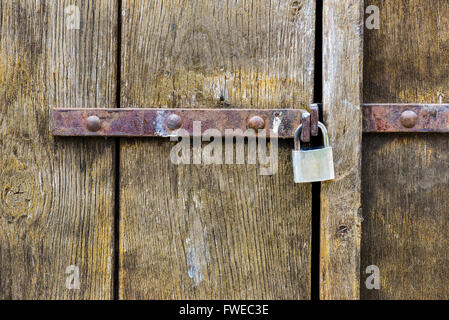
point(15, 201)
point(295, 9)
point(342, 231)
point(16, 193)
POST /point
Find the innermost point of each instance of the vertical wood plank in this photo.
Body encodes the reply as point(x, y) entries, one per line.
point(56, 196)
point(340, 199)
point(221, 231)
point(406, 176)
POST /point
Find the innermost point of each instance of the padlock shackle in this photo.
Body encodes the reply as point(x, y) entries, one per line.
point(325, 134)
point(323, 130)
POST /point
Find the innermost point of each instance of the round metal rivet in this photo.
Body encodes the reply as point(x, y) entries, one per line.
point(256, 123)
point(93, 123)
point(174, 122)
point(409, 119)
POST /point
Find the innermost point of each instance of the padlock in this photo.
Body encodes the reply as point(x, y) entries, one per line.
point(315, 164)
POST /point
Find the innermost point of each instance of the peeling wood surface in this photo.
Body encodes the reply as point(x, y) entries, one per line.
point(340, 199)
point(56, 196)
point(406, 176)
point(221, 231)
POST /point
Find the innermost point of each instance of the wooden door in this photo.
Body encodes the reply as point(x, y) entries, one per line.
point(406, 176)
point(57, 195)
point(117, 212)
point(133, 225)
point(214, 231)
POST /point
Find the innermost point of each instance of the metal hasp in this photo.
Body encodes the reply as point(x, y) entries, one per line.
point(406, 118)
point(166, 122)
point(309, 123)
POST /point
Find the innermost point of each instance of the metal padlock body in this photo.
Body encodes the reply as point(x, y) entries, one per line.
point(315, 164)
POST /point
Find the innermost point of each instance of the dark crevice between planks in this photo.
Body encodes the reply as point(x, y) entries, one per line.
point(316, 187)
point(116, 284)
point(318, 79)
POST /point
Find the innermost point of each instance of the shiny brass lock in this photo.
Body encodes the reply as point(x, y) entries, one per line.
point(315, 164)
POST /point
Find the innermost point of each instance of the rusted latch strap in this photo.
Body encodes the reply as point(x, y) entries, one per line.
point(309, 123)
point(168, 122)
point(283, 122)
point(405, 118)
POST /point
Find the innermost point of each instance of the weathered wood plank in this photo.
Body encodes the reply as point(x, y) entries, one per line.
point(406, 179)
point(340, 199)
point(221, 231)
point(56, 196)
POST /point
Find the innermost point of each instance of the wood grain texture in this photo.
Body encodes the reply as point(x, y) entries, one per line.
point(56, 196)
point(215, 231)
point(406, 176)
point(340, 198)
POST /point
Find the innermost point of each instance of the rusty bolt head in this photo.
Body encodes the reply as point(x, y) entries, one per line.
point(174, 122)
point(93, 123)
point(409, 119)
point(256, 123)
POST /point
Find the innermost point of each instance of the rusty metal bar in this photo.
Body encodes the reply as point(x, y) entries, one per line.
point(314, 118)
point(305, 131)
point(406, 118)
point(168, 122)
